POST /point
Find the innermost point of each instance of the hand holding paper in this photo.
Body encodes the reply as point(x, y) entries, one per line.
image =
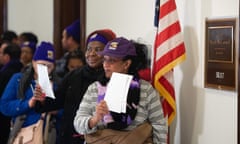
point(44, 81)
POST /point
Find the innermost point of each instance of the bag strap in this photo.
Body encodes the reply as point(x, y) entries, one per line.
point(45, 134)
point(16, 128)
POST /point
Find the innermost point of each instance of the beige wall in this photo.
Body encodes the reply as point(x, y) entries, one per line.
point(32, 15)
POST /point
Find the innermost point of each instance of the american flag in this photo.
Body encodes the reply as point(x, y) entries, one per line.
point(169, 50)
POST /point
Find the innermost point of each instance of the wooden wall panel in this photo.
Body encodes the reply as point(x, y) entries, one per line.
point(65, 12)
point(3, 16)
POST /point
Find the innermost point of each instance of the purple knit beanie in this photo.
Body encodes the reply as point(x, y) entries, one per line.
point(45, 51)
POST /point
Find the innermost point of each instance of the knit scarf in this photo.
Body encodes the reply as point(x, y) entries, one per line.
point(118, 121)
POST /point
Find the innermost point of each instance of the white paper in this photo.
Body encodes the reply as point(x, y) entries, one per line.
point(44, 81)
point(116, 93)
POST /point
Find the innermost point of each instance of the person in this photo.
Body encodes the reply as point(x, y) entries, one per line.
point(17, 98)
point(2, 47)
point(74, 85)
point(70, 42)
point(9, 57)
point(27, 36)
point(143, 103)
point(9, 36)
point(27, 51)
point(75, 59)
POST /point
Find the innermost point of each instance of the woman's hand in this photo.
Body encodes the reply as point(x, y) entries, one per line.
point(38, 95)
point(101, 110)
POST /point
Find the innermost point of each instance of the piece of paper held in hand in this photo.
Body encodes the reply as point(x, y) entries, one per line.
point(44, 81)
point(116, 93)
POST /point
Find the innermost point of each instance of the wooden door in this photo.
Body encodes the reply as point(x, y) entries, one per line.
point(65, 12)
point(3, 16)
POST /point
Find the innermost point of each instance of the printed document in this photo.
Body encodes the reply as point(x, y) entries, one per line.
point(44, 81)
point(116, 93)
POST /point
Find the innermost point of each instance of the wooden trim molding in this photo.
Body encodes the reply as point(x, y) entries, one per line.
point(3, 16)
point(238, 94)
point(238, 84)
point(83, 24)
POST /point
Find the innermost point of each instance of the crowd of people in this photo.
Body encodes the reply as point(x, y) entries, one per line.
point(79, 80)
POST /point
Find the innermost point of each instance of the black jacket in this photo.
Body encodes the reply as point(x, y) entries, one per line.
point(68, 96)
point(6, 73)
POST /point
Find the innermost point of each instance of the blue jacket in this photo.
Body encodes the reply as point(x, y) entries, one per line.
point(11, 105)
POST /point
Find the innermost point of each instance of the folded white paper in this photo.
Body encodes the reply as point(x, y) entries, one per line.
point(117, 90)
point(44, 81)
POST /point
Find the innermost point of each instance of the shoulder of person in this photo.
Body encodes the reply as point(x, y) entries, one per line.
point(17, 76)
point(145, 82)
point(146, 85)
point(94, 85)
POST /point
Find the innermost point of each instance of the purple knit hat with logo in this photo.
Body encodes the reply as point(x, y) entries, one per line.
point(98, 37)
point(101, 35)
point(45, 51)
point(119, 47)
point(74, 30)
point(31, 45)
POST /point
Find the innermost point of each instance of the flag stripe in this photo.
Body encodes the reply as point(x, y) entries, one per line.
point(167, 91)
point(163, 2)
point(167, 83)
point(167, 60)
point(165, 34)
point(164, 70)
point(170, 19)
point(166, 8)
point(168, 45)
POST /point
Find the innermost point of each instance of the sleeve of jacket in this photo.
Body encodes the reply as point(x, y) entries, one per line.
point(156, 116)
point(10, 105)
point(86, 110)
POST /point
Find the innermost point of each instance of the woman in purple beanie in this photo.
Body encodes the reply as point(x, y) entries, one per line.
point(27, 51)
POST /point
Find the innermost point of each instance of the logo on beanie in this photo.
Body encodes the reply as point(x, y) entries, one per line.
point(50, 54)
point(113, 45)
point(93, 36)
point(26, 43)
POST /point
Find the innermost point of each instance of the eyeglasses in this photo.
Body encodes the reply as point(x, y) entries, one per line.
point(111, 60)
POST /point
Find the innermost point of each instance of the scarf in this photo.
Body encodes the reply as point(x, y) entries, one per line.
point(118, 121)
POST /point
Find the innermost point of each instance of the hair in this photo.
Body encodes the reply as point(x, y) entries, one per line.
point(142, 55)
point(140, 61)
point(75, 54)
point(74, 38)
point(8, 36)
point(13, 50)
point(29, 36)
point(24, 82)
